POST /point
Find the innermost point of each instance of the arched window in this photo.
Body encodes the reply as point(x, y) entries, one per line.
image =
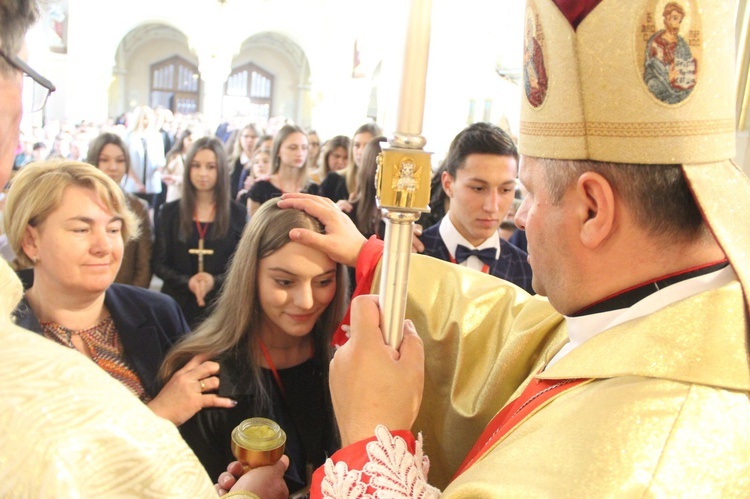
point(249, 92)
point(175, 84)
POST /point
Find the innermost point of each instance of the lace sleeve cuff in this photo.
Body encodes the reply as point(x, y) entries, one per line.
point(386, 465)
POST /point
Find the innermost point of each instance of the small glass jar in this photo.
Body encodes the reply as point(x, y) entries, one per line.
point(258, 442)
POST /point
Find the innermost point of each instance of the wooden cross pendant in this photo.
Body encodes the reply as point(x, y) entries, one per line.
point(200, 252)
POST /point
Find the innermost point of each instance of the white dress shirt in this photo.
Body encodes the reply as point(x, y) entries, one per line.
point(452, 238)
point(583, 328)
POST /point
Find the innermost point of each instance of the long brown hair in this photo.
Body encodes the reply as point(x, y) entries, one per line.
point(96, 146)
point(330, 146)
point(278, 141)
point(352, 171)
point(235, 321)
point(221, 190)
point(368, 213)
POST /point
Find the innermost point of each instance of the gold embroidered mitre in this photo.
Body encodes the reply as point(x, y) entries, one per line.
point(640, 81)
point(620, 87)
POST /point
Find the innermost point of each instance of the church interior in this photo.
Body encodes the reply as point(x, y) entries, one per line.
point(205, 112)
point(327, 65)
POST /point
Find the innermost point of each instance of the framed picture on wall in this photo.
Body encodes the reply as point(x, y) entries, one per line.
point(357, 68)
point(55, 19)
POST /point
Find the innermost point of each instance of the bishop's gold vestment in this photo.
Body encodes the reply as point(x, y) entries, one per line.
point(665, 415)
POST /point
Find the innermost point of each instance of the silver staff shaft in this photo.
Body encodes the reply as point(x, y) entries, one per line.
point(395, 274)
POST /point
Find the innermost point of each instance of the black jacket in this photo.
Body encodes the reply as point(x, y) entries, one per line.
point(148, 324)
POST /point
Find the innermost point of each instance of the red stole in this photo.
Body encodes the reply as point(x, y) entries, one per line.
point(536, 394)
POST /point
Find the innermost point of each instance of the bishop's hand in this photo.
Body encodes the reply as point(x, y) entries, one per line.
point(342, 240)
point(371, 383)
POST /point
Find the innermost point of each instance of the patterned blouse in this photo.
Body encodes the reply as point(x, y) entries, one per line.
point(103, 344)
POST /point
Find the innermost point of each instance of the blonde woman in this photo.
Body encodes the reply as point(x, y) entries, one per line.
point(260, 169)
point(69, 222)
point(313, 152)
point(146, 147)
point(242, 153)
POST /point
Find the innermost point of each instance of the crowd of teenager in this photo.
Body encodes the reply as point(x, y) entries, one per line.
point(635, 346)
point(197, 209)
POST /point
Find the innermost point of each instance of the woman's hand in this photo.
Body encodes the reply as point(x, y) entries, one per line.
point(416, 244)
point(371, 383)
point(265, 482)
point(342, 240)
point(200, 285)
point(186, 392)
point(344, 205)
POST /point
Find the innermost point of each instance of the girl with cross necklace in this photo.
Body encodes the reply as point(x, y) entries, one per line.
point(197, 234)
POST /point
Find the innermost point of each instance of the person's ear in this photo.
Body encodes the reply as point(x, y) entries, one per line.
point(447, 180)
point(30, 242)
point(595, 209)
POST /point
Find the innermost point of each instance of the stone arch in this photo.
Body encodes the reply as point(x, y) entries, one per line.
point(142, 46)
point(285, 59)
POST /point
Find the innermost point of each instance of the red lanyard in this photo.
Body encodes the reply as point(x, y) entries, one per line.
point(272, 367)
point(202, 229)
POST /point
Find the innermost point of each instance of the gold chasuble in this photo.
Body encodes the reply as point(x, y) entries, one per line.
point(678, 388)
point(639, 401)
point(662, 391)
point(68, 429)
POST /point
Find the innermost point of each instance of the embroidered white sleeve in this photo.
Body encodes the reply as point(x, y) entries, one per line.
point(393, 471)
point(340, 483)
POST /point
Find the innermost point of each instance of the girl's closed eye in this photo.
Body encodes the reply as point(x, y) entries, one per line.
point(325, 282)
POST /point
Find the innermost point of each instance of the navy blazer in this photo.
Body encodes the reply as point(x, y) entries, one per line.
point(148, 324)
point(512, 265)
